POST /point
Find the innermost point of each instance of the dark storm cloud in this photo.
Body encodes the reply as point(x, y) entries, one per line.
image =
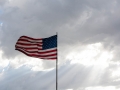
point(2, 2)
point(45, 18)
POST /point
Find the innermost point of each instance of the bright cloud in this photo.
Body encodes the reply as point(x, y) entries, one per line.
point(102, 88)
point(93, 54)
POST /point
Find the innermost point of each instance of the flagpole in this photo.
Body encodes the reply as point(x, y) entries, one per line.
point(57, 65)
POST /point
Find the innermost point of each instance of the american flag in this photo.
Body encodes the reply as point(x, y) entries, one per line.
point(43, 48)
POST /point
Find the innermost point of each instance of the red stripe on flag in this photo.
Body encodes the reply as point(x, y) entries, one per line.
point(50, 56)
point(30, 38)
point(31, 44)
point(29, 48)
point(39, 51)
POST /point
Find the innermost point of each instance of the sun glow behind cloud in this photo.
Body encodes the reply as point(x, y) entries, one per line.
point(116, 73)
point(92, 54)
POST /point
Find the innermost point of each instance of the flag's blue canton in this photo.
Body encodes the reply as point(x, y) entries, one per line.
point(50, 42)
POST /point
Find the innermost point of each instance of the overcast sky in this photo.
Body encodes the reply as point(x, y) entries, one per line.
point(88, 44)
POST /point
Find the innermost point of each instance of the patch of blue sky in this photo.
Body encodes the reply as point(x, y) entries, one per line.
point(1, 11)
point(1, 23)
